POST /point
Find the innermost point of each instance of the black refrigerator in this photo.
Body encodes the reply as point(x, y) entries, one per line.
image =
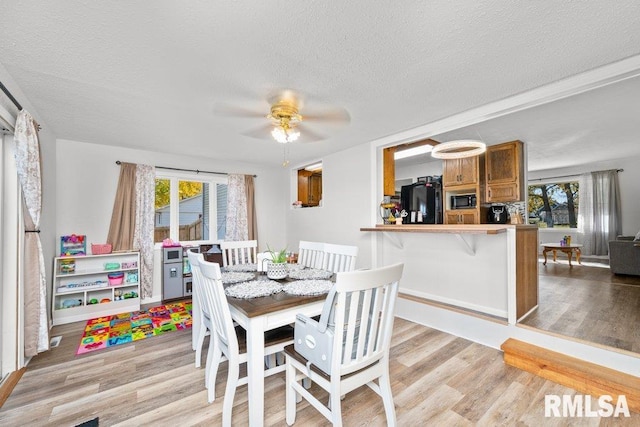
point(423, 202)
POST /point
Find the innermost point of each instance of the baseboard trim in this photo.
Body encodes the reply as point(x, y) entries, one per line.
point(9, 384)
point(585, 377)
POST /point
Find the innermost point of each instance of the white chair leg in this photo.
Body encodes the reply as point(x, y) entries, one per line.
point(336, 410)
point(291, 396)
point(200, 342)
point(387, 398)
point(229, 393)
point(213, 363)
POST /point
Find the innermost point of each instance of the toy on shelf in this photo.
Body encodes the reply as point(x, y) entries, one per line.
point(132, 277)
point(111, 265)
point(73, 245)
point(68, 303)
point(132, 294)
point(68, 265)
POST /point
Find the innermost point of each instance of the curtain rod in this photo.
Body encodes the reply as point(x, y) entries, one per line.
point(10, 96)
point(564, 176)
point(187, 170)
point(14, 100)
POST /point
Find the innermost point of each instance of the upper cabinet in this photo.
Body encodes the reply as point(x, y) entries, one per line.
point(309, 187)
point(460, 171)
point(504, 172)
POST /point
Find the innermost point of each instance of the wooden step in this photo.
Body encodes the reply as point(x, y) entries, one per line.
point(585, 377)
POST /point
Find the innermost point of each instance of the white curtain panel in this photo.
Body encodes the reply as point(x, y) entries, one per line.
point(237, 228)
point(606, 210)
point(599, 211)
point(144, 226)
point(585, 212)
point(36, 333)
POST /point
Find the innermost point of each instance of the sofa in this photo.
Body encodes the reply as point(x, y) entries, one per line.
point(624, 255)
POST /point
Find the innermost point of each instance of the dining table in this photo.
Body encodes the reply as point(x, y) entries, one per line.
point(258, 315)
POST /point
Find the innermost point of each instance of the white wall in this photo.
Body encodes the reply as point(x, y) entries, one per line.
point(414, 171)
point(87, 177)
point(346, 205)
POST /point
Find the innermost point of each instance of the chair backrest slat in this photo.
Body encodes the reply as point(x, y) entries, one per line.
point(363, 316)
point(216, 300)
point(327, 256)
point(339, 258)
point(311, 254)
point(239, 252)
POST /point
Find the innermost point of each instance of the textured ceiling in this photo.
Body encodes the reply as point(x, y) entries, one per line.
point(150, 74)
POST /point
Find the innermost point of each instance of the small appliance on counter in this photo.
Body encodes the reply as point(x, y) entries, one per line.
point(498, 214)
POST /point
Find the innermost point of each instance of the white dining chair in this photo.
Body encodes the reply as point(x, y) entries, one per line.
point(200, 322)
point(239, 252)
point(229, 341)
point(311, 254)
point(339, 258)
point(360, 306)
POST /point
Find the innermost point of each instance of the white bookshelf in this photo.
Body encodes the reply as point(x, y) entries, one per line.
point(73, 292)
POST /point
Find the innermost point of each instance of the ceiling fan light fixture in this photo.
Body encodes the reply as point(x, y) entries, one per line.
point(284, 134)
point(458, 149)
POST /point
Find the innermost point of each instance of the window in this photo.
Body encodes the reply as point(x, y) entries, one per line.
point(309, 186)
point(186, 207)
point(554, 204)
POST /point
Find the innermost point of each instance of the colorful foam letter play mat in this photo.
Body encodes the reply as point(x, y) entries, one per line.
point(109, 331)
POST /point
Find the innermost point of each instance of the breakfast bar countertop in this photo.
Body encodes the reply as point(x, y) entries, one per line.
point(447, 228)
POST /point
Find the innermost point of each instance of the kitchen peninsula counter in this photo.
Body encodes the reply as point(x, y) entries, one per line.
point(487, 268)
point(447, 228)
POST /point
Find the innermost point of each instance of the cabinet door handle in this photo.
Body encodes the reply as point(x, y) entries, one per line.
point(489, 177)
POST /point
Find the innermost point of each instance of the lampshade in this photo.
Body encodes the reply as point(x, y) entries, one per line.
point(458, 149)
point(284, 134)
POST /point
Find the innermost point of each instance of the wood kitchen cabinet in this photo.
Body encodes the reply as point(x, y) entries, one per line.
point(504, 172)
point(462, 216)
point(461, 171)
point(309, 187)
point(463, 177)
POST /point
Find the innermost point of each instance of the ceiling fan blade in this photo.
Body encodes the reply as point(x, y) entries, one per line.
point(336, 115)
point(262, 132)
point(307, 135)
point(232, 111)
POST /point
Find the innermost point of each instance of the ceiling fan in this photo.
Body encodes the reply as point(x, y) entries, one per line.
point(286, 123)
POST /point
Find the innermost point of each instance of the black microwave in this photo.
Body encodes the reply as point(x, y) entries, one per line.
point(463, 201)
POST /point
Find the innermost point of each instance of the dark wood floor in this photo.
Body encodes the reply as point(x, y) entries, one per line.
point(590, 303)
point(437, 379)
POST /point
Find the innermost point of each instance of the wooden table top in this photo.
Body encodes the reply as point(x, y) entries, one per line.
point(253, 307)
point(560, 246)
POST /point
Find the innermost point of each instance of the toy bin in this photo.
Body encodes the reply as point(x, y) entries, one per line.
point(116, 278)
point(100, 249)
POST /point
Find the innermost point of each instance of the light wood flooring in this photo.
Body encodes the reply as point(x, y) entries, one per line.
point(437, 379)
point(590, 303)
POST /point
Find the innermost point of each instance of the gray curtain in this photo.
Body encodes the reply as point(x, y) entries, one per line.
point(36, 321)
point(599, 217)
